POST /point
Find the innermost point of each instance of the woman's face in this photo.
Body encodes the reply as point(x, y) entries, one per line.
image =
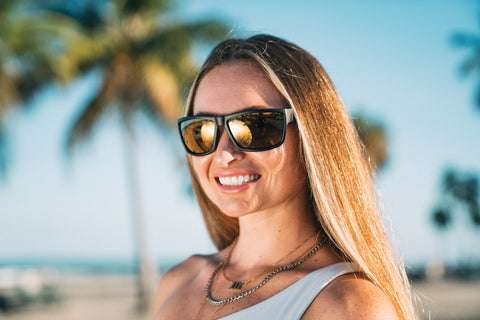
point(230, 88)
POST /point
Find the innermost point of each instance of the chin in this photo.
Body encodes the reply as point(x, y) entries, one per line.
point(235, 210)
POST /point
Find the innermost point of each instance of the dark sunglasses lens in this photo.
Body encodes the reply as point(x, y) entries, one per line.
point(258, 130)
point(198, 135)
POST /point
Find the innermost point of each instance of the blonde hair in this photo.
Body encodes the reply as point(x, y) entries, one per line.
point(340, 181)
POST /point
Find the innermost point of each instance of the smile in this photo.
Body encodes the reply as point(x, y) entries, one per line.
point(238, 180)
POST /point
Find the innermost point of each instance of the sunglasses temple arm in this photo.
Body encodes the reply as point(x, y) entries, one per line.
point(289, 115)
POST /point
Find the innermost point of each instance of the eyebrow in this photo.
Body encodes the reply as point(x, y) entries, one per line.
point(200, 114)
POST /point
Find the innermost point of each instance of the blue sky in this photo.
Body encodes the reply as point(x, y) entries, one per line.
point(393, 60)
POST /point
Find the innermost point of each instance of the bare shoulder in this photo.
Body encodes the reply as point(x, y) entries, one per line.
point(179, 276)
point(351, 296)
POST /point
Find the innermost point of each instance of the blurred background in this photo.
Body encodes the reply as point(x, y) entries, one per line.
point(95, 198)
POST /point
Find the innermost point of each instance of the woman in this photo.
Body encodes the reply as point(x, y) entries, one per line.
point(286, 195)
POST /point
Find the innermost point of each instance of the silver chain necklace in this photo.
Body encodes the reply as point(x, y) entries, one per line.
point(245, 293)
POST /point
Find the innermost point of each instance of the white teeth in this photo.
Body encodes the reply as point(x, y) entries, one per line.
point(238, 180)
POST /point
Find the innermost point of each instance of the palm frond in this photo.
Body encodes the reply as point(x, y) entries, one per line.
point(35, 41)
point(186, 33)
point(30, 49)
point(144, 6)
point(374, 139)
point(173, 45)
point(462, 39)
point(87, 13)
point(162, 89)
point(478, 97)
point(82, 53)
point(471, 64)
point(211, 30)
point(9, 94)
point(83, 125)
point(6, 7)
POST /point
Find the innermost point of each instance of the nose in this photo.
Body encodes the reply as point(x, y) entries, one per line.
point(226, 152)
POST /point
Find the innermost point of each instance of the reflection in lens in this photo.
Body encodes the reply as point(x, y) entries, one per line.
point(208, 133)
point(241, 132)
point(198, 135)
point(258, 130)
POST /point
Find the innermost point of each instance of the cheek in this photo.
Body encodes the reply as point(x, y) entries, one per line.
point(200, 166)
point(273, 160)
point(284, 165)
point(292, 163)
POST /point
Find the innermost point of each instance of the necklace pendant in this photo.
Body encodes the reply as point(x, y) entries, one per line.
point(236, 285)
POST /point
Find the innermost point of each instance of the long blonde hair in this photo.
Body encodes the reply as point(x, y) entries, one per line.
point(342, 191)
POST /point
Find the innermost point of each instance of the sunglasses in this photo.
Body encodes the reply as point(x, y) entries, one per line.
point(251, 130)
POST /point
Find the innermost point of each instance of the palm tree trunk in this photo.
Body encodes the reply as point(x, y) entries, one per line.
point(146, 275)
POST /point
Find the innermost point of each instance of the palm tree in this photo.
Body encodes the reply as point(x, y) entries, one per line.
point(374, 138)
point(471, 65)
point(458, 188)
point(27, 58)
point(459, 195)
point(146, 60)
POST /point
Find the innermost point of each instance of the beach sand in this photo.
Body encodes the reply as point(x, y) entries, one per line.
point(448, 299)
point(87, 297)
point(113, 297)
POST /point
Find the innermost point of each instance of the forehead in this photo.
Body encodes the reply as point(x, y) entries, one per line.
point(236, 86)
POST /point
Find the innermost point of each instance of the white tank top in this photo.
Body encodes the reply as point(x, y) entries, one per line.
point(292, 302)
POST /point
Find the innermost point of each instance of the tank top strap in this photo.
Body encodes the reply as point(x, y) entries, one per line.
point(293, 301)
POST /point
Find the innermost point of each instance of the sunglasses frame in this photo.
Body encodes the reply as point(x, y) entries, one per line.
point(220, 121)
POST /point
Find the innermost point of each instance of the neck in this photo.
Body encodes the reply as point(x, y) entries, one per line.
point(267, 236)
